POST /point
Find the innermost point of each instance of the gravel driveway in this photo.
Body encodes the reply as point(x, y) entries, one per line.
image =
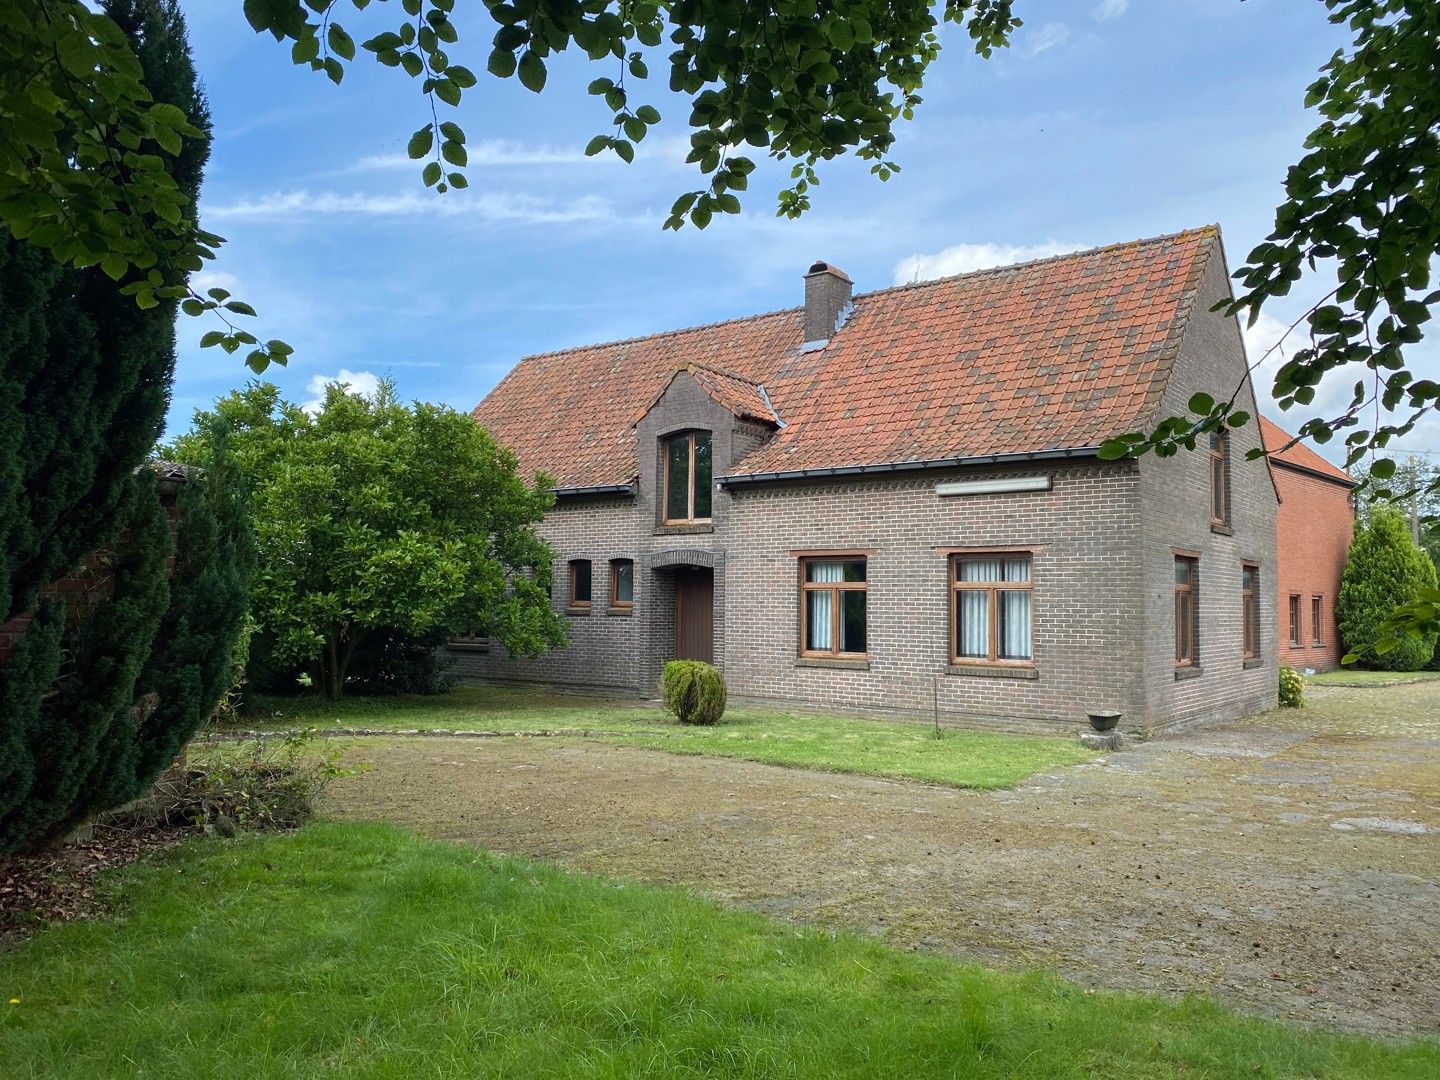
point(1288, 864)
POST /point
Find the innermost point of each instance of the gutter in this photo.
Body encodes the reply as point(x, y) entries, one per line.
point(907, 466)
point(1281, 463)
point(602, 489)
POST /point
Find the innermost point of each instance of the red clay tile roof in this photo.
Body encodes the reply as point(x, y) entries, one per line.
point(1049, 355)
point(1301, 456)
point(730, 392)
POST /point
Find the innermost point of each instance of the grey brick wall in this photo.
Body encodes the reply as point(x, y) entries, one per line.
point(1175, 495)
point(1087, 605)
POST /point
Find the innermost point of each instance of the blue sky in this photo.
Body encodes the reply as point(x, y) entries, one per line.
point(1108, 120)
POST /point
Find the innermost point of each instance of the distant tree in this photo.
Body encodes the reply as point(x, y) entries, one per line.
point(372, 515)
point(1384, 570)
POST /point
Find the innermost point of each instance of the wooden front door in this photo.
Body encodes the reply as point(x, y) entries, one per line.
point(695, 615)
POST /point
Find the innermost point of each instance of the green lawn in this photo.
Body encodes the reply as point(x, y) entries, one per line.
point(363, 951)
point(966, 759)
point(1361, 677)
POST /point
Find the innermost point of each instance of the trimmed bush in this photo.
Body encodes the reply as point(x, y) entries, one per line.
point(1383, 569)
point(694, 691)
point(1292, 689)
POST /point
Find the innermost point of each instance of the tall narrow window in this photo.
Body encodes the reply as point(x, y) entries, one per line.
point(622, 583)
point(688, 475)
point(832, 607)
point(990, 609)
point(1250, 609)
point(1317, 605)
point(580, 583)
point(1220, 478)
point(1295, 619)
point(1187, 573)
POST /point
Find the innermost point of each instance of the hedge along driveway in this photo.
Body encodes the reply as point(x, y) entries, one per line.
point(911, 751)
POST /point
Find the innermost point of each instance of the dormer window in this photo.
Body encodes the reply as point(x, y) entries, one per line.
point(688, 476)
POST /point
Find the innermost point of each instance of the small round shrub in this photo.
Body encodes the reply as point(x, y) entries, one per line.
point(693, 691)
point(1292, 689)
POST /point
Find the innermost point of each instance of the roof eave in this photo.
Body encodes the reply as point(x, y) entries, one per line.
point(596, 489)
point(741, 479)
point(1280, 463)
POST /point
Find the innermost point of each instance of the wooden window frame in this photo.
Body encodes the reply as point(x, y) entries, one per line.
point(1250, 611)
point(1220, 468)
point(690, 519)
point(836, 604)
point(1294, 612)
point(954, 558)
point(1191, 657)
point(576, 602)
point(615, 565)
point(1317, 608)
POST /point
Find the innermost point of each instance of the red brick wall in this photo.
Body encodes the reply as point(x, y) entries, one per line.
point(1313, 535)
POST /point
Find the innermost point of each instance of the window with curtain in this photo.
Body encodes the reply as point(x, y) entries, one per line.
point(580, 583)
point(1220, 477)
point(832, 607)
point(1295, 619)
point(622, 583)
point(1187, 573)
point(1317, 604)
point(991, 601)
point(688, 477)
point(1250, 609)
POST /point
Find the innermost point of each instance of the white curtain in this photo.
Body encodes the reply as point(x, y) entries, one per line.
point(1013, 616)
point(820, 609)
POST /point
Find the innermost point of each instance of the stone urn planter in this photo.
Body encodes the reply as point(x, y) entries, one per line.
point(1104, 719)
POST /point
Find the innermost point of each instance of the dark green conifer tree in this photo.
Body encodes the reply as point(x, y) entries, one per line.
point(98, 696)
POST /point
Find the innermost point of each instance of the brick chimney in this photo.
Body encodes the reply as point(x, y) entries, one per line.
point(827, 302)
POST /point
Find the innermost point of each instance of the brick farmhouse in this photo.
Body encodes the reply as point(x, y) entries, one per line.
point(1316, 524)
point(892, 502)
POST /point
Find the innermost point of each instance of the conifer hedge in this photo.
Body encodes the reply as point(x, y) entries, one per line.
point(1383, 569)
point(101, 691)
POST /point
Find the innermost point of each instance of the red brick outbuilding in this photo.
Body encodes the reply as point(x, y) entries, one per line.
point(1316, 522)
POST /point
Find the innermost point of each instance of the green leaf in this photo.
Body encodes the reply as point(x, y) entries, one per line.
point(211, 338)
point(421, 142)
point(431, 173)
point(454, 153)
point(239, 307)
point(1201, 404)
point(115, 266)
point(532, 72)
point(341, 44)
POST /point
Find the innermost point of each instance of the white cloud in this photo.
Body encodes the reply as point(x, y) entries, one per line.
point(1046, 37)
point(964, 258)
point(493, 206)
point(1110, 9)
point(364, 383)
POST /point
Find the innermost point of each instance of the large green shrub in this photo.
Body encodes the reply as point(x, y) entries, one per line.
point(694, 691)
point(1383, 569)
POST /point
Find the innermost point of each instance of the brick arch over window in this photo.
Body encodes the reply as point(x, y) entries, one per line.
point(682, 557)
